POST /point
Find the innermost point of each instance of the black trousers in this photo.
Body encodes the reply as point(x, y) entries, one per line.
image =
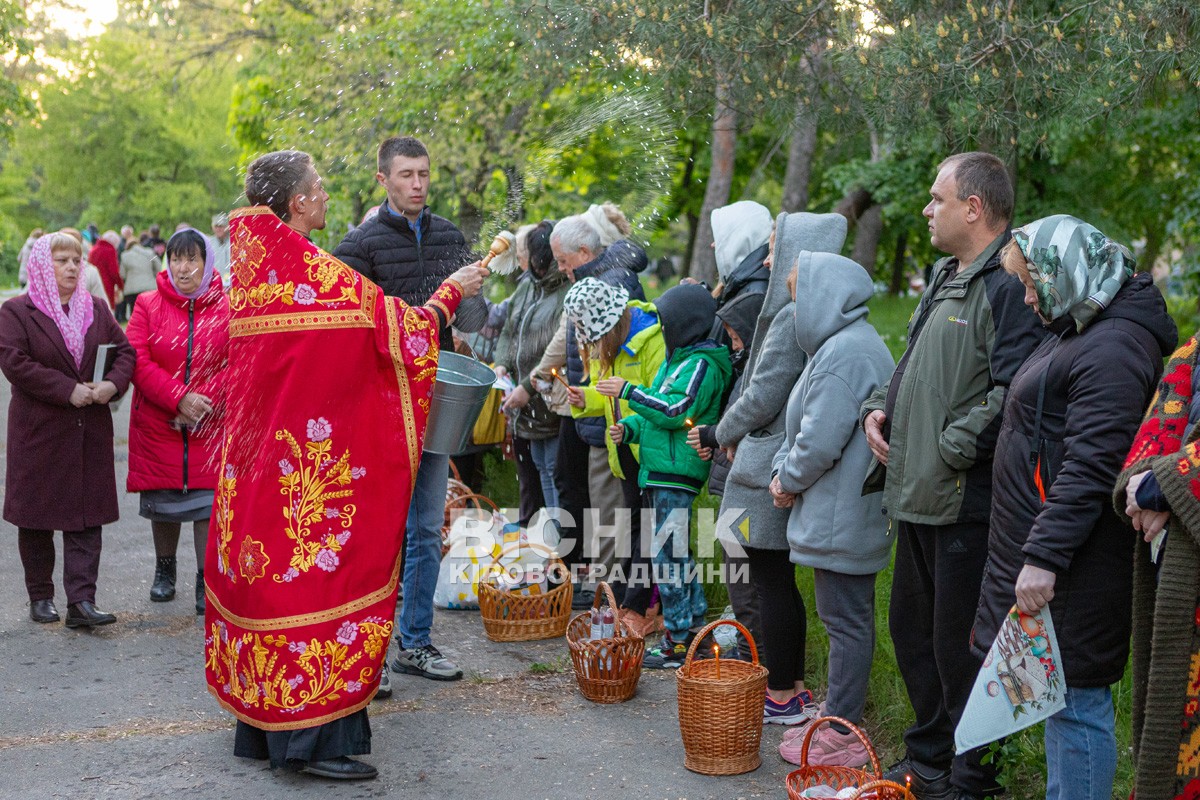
point(81, 563)
point(783, 619)
point(935, 593)
point(634, 594)
point(571, 480)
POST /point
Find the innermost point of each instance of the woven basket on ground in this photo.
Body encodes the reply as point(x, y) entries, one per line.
point(721, 708)
point(607, 670)
point(512, 617)
point(809, 775)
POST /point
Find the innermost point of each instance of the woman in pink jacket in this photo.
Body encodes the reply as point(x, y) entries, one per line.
point(181, 334)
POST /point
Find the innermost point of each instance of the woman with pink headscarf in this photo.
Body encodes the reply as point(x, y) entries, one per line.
point(61, 474)
point(181, 334)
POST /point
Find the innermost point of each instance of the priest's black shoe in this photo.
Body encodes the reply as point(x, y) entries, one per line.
point(85, 615)
point(342, 768)
point(43, 611)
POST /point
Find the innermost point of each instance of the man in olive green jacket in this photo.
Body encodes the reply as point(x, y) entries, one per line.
point(933, 427)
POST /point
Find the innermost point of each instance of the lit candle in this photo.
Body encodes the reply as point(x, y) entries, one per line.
point(717, 656)
point(687, 423)
point(559, 378)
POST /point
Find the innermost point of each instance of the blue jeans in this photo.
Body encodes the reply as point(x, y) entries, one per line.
point(423, 549)
point(545, 457)
point(679, 587)
point(1081, 747)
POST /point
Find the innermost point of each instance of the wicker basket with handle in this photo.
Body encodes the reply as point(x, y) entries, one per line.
point(867, 781)
point(607, 670)
point(456, 499)
point(721, 708)
point(513, 617)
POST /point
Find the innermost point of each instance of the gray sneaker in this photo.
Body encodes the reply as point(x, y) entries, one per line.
point(385, 682)
point(428, 663)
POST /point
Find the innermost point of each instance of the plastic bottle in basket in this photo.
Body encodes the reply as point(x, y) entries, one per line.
point(608, 623)
point(597, 624)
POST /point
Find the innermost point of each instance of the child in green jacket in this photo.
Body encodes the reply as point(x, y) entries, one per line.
point(686, 391)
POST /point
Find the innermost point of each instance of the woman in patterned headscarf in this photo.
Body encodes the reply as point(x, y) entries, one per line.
point(60, 472)
point(1069, 417)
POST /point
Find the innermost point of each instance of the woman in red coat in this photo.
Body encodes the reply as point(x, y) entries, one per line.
point(181, 334)
point(60, 472)
point(103, 256)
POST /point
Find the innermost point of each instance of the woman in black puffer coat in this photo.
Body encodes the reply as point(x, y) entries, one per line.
point(1069, 418)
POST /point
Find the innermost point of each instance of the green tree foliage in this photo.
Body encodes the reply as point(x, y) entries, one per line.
point(15, 48)
point(521, 119)
point(129, 137)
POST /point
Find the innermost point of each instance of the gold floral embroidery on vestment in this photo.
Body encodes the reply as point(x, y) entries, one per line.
point(310, 486)
point(226, 491)
point(253, 669)
point(328, 272)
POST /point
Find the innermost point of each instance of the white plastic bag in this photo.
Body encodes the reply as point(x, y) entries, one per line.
point(471, 547)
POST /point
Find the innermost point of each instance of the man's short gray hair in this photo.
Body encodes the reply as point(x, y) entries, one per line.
point(575, 233)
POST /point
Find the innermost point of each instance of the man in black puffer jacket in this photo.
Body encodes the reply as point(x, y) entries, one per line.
point(406, 248)
point(409, 251)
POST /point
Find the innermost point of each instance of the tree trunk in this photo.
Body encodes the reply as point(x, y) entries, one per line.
point(854, 204)
point(470, 219)
point(800, 156)
point(1154, 241)
point(898, 263)
point(866, 238)
point(514, 206)
point(720, 181)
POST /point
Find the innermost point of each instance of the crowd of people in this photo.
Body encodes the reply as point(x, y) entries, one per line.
point(1008, 458)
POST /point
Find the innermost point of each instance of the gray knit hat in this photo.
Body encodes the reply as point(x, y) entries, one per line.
point(594, 308)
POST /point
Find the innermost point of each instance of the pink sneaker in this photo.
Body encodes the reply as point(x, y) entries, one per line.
point(832, 749)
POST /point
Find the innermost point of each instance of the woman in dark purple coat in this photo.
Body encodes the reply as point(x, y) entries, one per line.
point(60, 473)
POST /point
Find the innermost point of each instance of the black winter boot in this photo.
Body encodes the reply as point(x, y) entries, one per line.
point(200, 592)
point(164, 579)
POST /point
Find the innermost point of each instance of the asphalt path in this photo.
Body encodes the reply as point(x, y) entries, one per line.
point(123, 712)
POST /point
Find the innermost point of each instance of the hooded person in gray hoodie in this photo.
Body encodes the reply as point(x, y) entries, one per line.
point(817, 472)
point(752, 426)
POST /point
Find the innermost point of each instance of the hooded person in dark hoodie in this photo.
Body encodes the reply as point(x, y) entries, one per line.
point(686, 391)
point(741, 234)
point(1069, 418)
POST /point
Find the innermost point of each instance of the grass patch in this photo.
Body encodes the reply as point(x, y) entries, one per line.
point(555, 667)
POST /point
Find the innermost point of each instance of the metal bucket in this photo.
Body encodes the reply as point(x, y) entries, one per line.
point(458, 396)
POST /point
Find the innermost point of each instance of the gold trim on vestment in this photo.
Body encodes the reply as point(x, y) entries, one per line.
point(251, 211)
point(298, 724)
point(303, 620)
point(406, 405)
point(280, 323)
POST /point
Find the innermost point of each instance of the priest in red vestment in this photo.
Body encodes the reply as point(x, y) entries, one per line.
point(328, 394)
